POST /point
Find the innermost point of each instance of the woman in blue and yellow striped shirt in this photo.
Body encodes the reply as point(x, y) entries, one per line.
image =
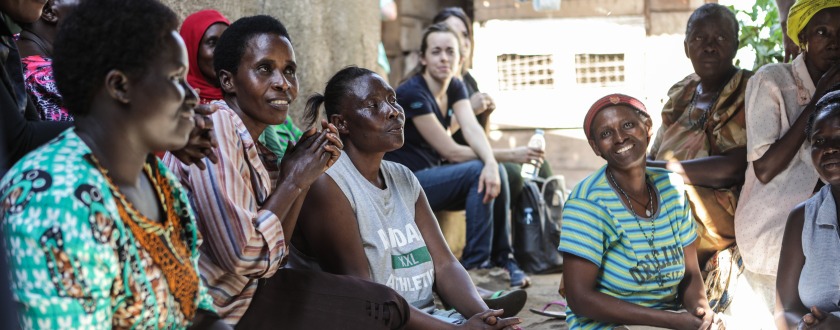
point(628, 234)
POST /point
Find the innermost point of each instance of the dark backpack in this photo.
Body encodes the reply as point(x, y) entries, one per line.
point(536, 227)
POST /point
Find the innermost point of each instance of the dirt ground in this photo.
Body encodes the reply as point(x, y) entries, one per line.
point(542, 290)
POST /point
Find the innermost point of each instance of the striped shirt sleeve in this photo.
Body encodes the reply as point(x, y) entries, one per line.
point(241, 238)
point(584, 230)
point(688, 230)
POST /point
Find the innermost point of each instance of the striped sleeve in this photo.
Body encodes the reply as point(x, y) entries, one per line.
point(688, 230)
point(584, 230)
point(241, 238)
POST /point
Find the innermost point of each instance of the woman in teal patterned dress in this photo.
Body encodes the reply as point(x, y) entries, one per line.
point(98, 232)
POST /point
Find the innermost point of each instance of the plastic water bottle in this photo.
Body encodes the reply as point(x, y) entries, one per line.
point(531, 169)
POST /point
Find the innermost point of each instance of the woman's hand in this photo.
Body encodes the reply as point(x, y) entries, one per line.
point(829, 79)
point(482, 102)
point(817, 319)
point(526, 155)
point(699, 320)
point(489, 181)
point(311, 156)
point(489, 319)
point(202, 139)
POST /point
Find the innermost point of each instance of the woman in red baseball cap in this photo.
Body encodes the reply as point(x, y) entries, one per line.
point(628, 236)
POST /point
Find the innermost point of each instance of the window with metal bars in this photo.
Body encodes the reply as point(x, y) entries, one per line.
point(525, 72)
point(603, 70)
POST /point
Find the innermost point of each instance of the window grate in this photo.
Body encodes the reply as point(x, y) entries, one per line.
point(604, 70)
point(525, 72)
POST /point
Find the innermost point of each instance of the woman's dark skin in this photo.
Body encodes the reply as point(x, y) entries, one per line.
point(825, 146)
point(267, 75)
point(125, 125)
point(44, 29)
point(821, 45)
point(614, 129)
point(201, 141)
point(205, 51)
point(711, 45)
point(370, 124)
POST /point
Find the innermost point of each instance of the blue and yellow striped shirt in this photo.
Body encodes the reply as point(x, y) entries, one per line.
point(598, 227)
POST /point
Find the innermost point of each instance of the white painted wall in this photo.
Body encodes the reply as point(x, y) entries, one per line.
point(652, 65)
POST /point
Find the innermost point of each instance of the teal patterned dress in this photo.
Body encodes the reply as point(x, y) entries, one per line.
point(76, 264)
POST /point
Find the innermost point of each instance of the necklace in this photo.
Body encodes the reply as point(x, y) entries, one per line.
point(656, 265)
point(648, 210)
point(704, 113)
point(164, 242)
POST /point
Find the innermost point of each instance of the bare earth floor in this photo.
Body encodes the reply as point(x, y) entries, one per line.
point(542, 290)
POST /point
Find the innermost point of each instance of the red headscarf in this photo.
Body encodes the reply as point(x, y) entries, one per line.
point(192, 31)
point(612, 99)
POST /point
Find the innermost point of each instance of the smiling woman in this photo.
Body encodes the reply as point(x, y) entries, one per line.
point(628, 237)
point(807, 283)
point(780, 175)
point(249, 202)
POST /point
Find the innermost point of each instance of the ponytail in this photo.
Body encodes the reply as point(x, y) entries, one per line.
point(310, 111)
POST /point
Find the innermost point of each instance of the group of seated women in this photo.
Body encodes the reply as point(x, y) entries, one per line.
point(635, 235)
point(100, 233)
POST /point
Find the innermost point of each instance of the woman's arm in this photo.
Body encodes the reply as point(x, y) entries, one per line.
point(791, 262)
point(691, 287)
point(331, 235)
point(780, 153)
point(729, 169)
point(433, 132)
point(519, 155)
point(580, 277)
point(489, 182)
point(452, 283)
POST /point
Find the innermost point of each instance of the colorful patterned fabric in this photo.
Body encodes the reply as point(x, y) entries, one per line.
point(75, 262)
point(678, 139)
point(243, 242)
point(40, 84)
point(278, 138)
point(599, 228)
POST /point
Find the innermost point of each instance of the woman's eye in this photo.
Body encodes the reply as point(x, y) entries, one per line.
point(721, 38)
point(819, 141)
point(698, 38)
point(263, 69)
point(605, 134)
point(289, 71)
point(628, 125)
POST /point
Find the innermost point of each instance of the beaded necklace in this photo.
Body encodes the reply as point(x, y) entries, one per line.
point(704, 113)
point(649, 210)
point(163, 241)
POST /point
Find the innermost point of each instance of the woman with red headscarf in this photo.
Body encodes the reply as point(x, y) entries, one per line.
point(201, 32)
point(628, 238)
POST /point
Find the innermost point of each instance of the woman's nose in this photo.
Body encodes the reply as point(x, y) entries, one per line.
point(280, 83)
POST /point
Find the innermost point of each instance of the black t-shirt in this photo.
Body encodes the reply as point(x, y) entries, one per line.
point(416, 99)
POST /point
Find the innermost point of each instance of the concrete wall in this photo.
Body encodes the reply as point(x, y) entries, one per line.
point(327, 35)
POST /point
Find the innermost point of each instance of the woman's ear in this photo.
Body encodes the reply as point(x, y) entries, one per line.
point(118, 86)
point(339, 123)
point(48, 14)
point(226, 82)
